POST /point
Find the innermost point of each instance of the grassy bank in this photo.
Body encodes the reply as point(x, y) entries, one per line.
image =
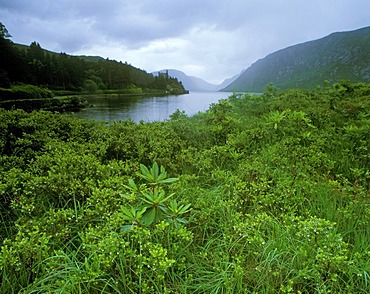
point(52, 104)
point(129, 91)
point(259, 194)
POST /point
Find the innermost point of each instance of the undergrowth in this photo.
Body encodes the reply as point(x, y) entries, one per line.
point(260, 194)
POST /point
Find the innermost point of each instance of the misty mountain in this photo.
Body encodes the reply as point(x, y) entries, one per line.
point(338, 56)
point(227, 82)
point(195, 84)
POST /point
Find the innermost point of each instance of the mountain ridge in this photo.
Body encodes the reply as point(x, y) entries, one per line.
point(337, 56)
point(192, 83)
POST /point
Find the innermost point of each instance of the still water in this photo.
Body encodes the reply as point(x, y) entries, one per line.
point(148, 109)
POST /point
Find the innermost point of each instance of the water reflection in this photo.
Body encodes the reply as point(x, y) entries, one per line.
point(137, 108)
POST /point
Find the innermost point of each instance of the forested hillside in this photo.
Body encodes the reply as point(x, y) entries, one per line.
point(60, 71)
point(260, 194)
point(339, 56)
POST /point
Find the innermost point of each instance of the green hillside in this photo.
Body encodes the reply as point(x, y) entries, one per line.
point(339, 56)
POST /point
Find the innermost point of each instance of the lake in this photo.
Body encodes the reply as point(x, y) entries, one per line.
point(146, 108)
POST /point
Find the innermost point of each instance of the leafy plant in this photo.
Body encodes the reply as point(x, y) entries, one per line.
point(152, 204)
point(175, 211)
point(155, 176)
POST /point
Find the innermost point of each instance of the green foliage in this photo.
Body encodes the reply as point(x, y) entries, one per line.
point(151, 204)
point(25, 92)
point(4, 32)
point(90, 86)
point(155, 176)
point(269, 194)
point(68, 103)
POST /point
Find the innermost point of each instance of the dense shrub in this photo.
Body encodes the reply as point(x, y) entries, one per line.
point(25, 92)
point(52, 104)
point(261, 194)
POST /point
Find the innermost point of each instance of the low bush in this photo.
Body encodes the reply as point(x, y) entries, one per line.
point(261, 194)
point(20, 92)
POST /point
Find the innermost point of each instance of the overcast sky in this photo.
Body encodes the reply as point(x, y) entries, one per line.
point(210, 39)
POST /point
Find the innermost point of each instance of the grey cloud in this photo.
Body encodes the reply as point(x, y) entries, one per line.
point(231, 33)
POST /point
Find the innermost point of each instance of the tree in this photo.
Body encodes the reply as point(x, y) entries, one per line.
point(11, 63)
point(4, 32)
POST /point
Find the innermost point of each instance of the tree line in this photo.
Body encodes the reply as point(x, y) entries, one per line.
point(60, 71)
